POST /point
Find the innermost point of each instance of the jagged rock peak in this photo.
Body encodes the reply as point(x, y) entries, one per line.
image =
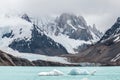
point(26, 17)
point(69, 17)
point(118, 20)
point(113, 32)
point(96, 31)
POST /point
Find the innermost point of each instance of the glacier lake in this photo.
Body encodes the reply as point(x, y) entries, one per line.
point(31, 73)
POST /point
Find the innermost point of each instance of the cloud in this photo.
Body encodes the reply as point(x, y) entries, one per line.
point(103, 13)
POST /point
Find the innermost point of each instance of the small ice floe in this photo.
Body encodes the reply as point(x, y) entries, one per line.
point(51, 73)
point(78, 71)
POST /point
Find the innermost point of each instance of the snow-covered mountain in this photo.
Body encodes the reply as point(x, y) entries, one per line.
point(73, 26)
point(22, 35)
point(65, 34)
point(71, 31)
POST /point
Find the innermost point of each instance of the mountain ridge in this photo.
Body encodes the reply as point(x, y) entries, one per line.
point(106, 51)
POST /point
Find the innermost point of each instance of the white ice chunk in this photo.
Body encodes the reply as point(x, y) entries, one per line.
point(78, 71)
point(51, 73)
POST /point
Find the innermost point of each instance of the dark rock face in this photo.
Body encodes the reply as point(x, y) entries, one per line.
point(113, 31)
point(20, 45)
point(25, 16)
point(8, 35)
point(82, 35)
point(5, 60)
point(20, 61)
point(102, 54)
point(9, 60)
point(39, 44)
point(75, 27)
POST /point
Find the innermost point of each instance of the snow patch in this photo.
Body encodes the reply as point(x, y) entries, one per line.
point(69, 23)
point(81, 27)
point(20, 29)
point(117, 39)
point(116, 58)
point(68, 43)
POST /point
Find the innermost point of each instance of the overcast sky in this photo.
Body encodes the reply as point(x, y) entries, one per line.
point(103, 13)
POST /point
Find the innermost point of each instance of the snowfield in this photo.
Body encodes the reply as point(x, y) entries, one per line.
point(17, 25)
point(20, 28)
point(68, 43)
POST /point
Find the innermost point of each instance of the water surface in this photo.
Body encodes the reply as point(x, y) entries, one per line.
point(31, 73)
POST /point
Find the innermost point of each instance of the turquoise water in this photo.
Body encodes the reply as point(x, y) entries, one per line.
point(31, 73)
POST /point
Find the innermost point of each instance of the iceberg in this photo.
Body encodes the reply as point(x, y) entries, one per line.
point(51, 73)
point(78, 71)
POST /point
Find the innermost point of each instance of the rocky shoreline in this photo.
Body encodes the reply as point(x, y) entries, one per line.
point(9, 60)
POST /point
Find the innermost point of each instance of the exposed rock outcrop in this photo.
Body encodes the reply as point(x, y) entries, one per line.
point(9, 60)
